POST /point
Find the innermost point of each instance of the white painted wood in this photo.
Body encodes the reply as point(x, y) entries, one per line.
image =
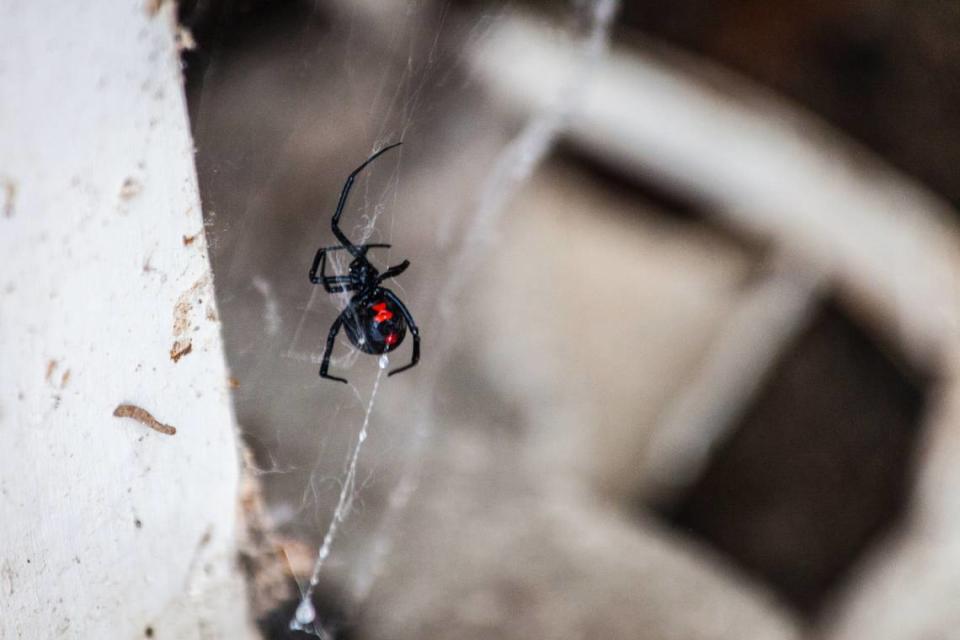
point(106, 526)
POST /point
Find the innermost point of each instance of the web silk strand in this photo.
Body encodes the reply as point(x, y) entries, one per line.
point(305, 618)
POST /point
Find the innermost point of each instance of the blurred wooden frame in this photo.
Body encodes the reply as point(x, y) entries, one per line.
point(833, 214)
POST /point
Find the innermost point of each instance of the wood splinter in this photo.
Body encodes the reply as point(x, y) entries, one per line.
point(143, 416)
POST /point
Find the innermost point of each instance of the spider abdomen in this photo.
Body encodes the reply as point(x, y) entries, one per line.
point(375, 324)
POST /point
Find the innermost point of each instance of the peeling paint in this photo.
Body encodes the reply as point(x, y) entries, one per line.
point(9, 197)
point(130, 189)
point(179, 349)
point(182, 311)
point(152, 7)
point(144, 417)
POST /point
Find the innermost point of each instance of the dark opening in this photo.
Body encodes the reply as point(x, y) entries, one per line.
point(819, 467)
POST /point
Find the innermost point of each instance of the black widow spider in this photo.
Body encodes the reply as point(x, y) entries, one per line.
point(375, 319)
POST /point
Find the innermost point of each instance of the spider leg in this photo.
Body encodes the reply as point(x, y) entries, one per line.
point(394, 271)
point(319, 264)
point(331, 339)
point(320, 260)
point(354, 250)
point(362, 247)
point(332, 284)
point(414, 331)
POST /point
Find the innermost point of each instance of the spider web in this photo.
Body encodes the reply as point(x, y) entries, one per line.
point(332, 440)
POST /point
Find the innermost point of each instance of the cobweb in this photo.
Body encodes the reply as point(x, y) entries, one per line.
point(281, 115)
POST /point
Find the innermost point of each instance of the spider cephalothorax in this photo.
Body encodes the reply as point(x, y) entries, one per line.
point(375, 319)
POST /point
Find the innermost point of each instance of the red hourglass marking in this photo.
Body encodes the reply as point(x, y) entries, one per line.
point(382, 313)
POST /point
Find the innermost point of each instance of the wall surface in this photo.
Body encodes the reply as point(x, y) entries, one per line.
point(110, 526)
